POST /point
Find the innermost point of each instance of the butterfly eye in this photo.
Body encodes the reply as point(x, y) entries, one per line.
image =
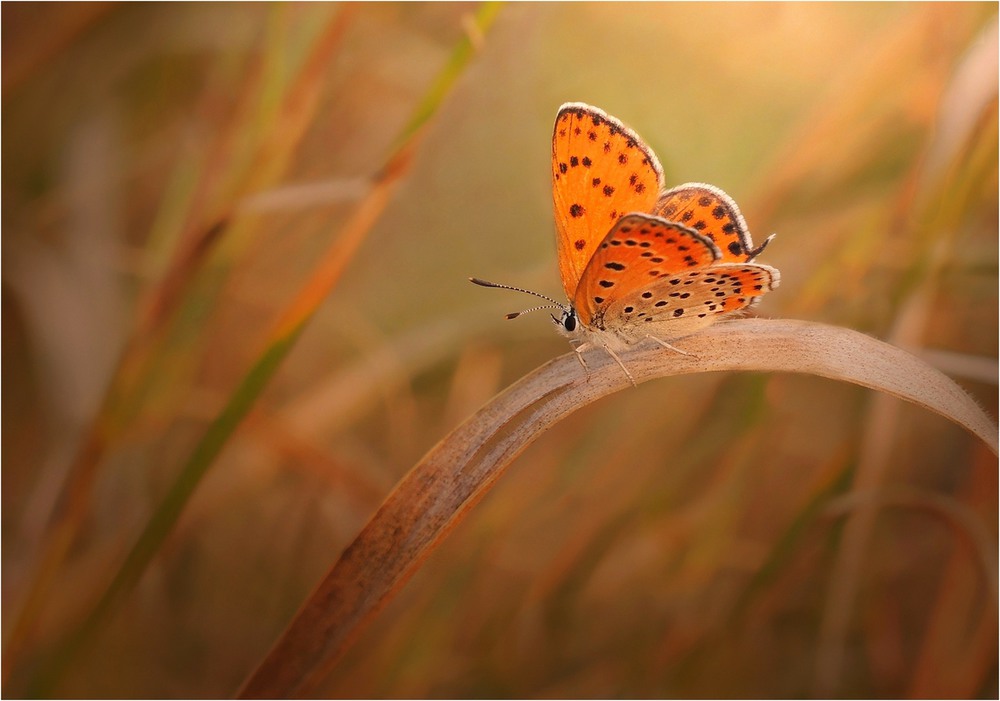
point(569, 320)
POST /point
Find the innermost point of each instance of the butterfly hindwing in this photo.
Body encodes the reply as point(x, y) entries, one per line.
point(668, 308)
point(601, 170)
point(639, 251)
point(712, 212)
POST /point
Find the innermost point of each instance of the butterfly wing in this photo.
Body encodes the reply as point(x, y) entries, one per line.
point(712, 212)
point(639, 252)
point(601, 170)
point(669, 308)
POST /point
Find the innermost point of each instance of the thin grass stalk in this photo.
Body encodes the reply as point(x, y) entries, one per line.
point(953, 186)
point(153, 315)
point(958, 652)
point(881, 418)
point(962, 519)
point(280, 341)
point(946, 665)
point(437, 493)
point(841, 115)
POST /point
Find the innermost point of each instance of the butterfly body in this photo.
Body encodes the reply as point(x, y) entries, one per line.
point(638, 261)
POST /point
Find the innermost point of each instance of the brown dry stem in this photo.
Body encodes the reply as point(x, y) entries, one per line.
point(458, 471)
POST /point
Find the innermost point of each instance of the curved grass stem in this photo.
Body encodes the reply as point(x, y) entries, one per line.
point(434, 496)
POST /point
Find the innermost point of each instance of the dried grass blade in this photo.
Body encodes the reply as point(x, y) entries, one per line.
point(152, 315)
point(282, 338)
point(458, 471)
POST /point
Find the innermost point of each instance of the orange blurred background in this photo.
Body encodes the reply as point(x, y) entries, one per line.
point(682, 539)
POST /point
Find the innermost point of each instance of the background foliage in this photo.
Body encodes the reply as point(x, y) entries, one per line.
point(171, 174)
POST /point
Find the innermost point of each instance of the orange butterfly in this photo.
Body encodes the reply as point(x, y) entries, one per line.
point(638, 262)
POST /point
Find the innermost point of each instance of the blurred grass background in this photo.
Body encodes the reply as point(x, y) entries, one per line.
point(686, 538)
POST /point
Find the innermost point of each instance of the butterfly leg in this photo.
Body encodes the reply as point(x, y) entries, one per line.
point(666, 345)
point(621, 365)
point(579, 355)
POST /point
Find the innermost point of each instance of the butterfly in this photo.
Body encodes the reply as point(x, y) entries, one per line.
point(639, 262)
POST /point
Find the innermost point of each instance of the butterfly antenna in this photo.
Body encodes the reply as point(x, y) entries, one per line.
point(514, 315)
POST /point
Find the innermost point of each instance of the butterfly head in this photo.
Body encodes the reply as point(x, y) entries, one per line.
point(568, 322)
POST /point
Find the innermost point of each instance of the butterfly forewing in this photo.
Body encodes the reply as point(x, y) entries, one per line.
point(639, 251)
point(671, 307)
point(601, 170)
point(712, 212)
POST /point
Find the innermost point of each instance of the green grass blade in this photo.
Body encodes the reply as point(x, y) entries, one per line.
point(445, 80)
point(282, 340)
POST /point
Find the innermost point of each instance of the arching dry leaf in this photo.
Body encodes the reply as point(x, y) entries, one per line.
point(458, 471)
